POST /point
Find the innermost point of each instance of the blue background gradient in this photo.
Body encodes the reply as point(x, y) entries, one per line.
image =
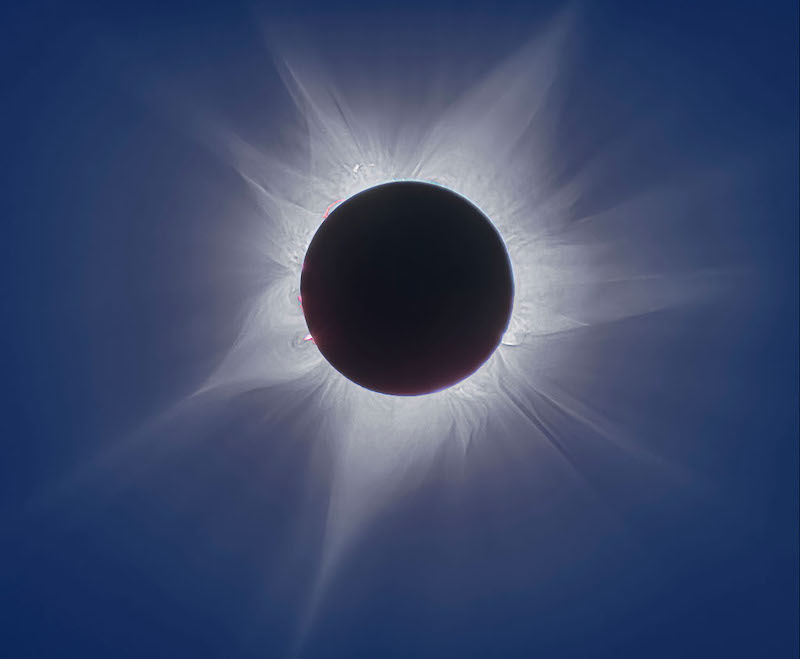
point(120, 296)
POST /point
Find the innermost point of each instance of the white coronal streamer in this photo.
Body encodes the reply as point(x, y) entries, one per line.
point(492, 146)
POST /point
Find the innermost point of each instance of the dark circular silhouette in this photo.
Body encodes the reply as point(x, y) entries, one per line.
point(406, 288)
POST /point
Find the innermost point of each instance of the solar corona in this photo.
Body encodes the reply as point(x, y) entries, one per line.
point(458, 289)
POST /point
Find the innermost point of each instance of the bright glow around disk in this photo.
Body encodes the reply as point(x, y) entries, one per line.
point(494, 147)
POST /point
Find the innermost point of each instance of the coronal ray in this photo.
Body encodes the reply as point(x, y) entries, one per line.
point(584, 269)
point(572, 271)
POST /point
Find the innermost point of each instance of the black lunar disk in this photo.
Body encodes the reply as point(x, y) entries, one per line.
point(407, 288)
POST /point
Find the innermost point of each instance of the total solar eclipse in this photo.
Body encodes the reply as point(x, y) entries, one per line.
point(406, 288)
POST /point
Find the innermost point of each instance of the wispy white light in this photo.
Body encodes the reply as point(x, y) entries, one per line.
point(491, 146)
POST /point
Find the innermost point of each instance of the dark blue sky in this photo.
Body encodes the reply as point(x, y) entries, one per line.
point(120, 296)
